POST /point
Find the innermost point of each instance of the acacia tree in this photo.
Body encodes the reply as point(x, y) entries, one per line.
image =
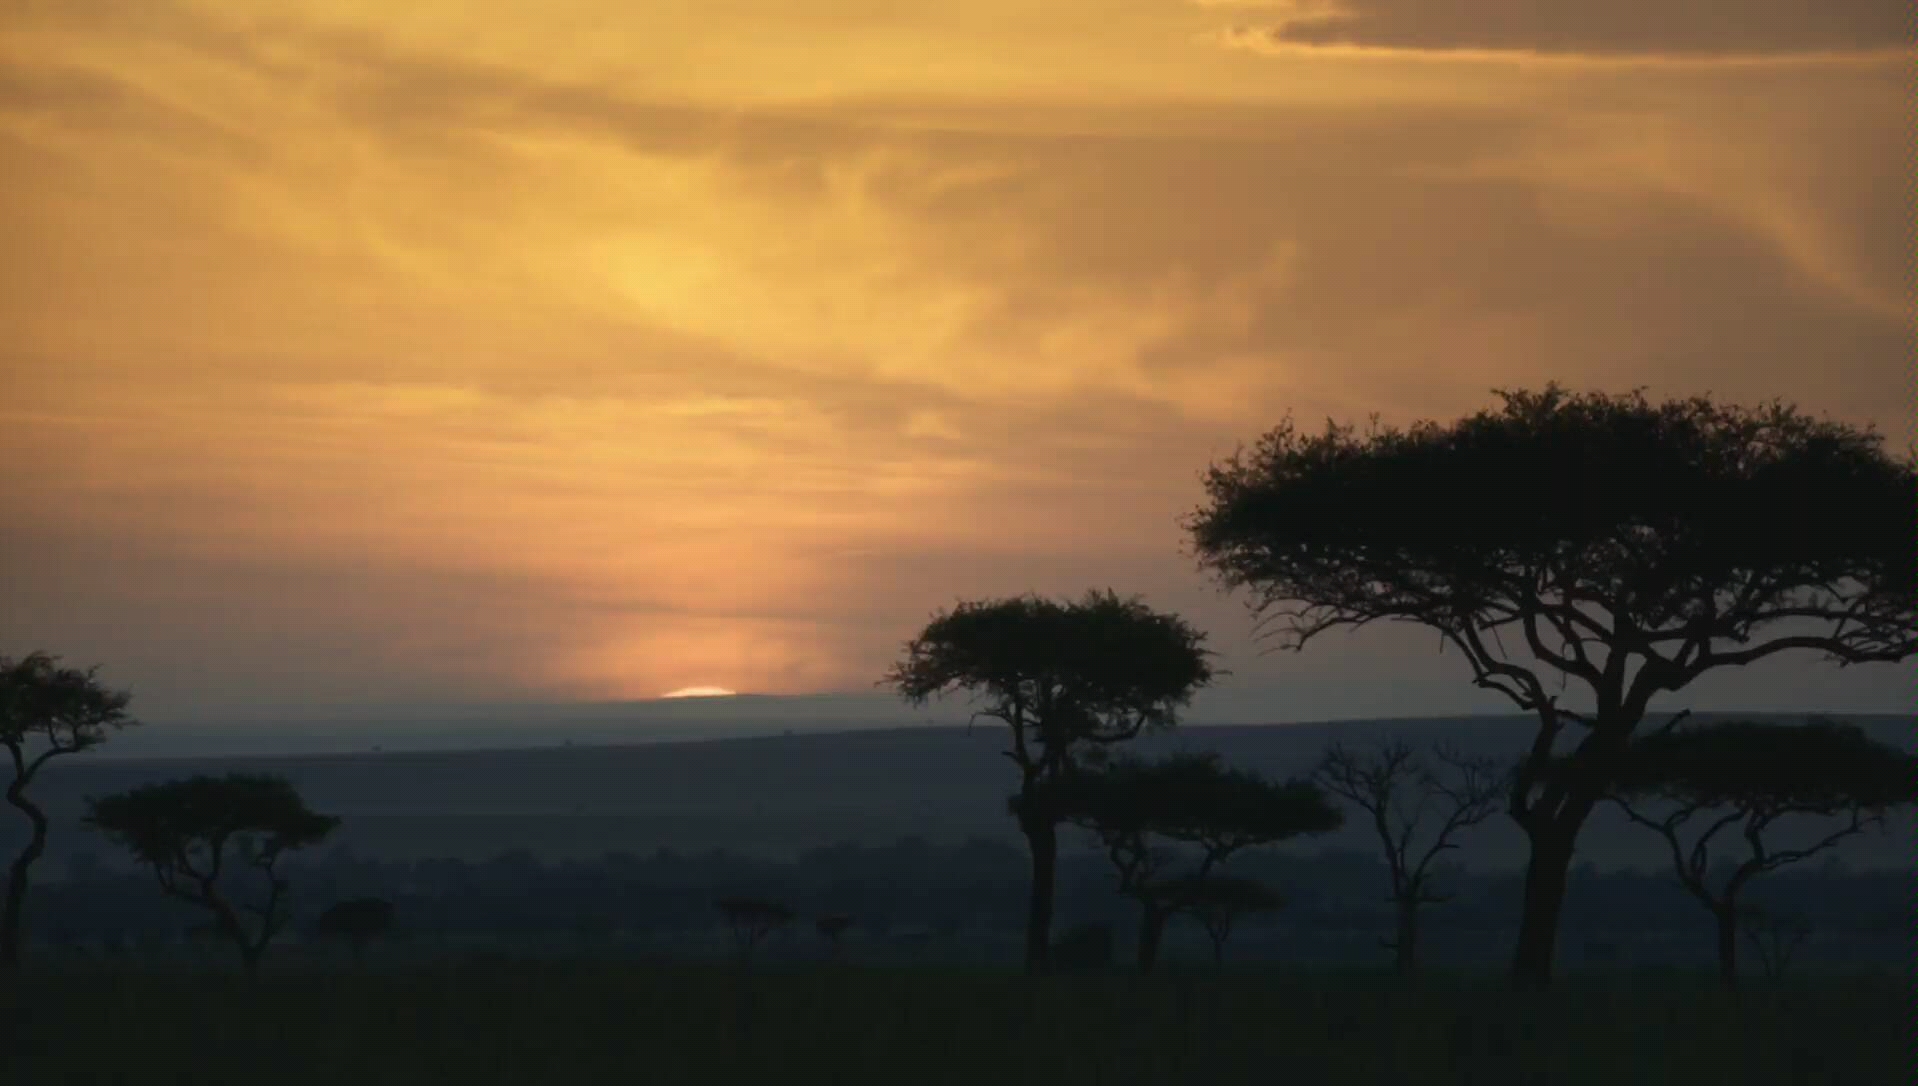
point(187, 830)
point(46, 711)
point(1748, 777)
point(1069, 679)
point(1626, 546)
point(1190, 800)
point(753, 921)
point(1397, 788)
point(1216, 901)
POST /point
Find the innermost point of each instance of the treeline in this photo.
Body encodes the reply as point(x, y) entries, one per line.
point(914, 900)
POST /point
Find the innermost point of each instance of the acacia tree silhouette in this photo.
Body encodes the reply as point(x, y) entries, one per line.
point(1069, 679)
point(1216, 901)
point(46, 712)
point(182, 829)
point(1751, 776)
point(1188, 799)
point(752, 921)
point(1397, 788)
point(1630, 546)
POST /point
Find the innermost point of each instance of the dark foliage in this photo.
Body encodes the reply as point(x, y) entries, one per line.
point(46, 711)
point(1628, 545)
point(1747, 776)
point(753, 921)
point(187, 830)
point(1068, 679)
point(1217, 901)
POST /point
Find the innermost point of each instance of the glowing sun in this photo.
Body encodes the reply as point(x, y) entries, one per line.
point(699, 692)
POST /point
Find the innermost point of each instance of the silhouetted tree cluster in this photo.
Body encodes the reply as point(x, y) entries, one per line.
point(1747, 778)
point(1627, 546)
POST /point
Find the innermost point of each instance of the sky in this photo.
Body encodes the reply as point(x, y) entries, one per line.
point(363, 355)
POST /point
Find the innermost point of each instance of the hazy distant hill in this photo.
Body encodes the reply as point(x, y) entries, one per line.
point(778, 795)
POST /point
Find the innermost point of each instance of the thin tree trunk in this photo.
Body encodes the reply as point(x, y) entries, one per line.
point(1727, 916)
point(12, 919)
point(1405, 948)
point(1152, 923)
point(1043, 838)
point(1544, 901)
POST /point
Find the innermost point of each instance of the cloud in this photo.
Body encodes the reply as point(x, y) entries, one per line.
point(1754, 31)
point(491, 361)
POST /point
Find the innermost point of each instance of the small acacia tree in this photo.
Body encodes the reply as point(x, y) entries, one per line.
point(189, 830)
point(752, 921)
point(1139, 810)
point(1747, 777)
point(46, 711)
point(1628, 546)
point(356, 922)
point(1398, 788)
point(1069, 679)
point(1216, 901)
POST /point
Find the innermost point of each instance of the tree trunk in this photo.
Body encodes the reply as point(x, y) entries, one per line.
point(1043, 838)
point(11, 920)
point(1545, 875)
point(1727, 916)
point(1405, 948)
point(1152, 923)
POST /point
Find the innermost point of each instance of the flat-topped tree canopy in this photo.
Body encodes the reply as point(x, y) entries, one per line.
point(1193, 798)
point(1097, 670)
point(68, 709)
point(1820, 767)
point(1601, 529)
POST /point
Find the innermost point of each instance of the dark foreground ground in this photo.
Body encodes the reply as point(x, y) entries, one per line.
point(525, 1024)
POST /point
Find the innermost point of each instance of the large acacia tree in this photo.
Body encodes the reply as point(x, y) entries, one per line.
point(1625, 546)
point(1069, 679)
point(1141, 811)
point(46, 712)
point(1746, 777)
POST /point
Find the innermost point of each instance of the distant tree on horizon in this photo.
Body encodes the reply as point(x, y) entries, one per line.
point(1748, 777)
point(46, 712)
point(195, 832)
point(1630, 546)
point(752, 921)
point(1397, 788)
point(1069, 679)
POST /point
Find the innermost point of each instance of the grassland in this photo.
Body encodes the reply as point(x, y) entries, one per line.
point(524, 1023)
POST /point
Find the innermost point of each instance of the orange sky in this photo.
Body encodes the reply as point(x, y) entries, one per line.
point(362, 352)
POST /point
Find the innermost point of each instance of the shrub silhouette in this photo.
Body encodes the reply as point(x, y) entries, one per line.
point(188, 830)
point(1750, 776)
point(832, 928)
point(1397, 788)
point(1629, 546)
point(1069, 680)
point(46, 712)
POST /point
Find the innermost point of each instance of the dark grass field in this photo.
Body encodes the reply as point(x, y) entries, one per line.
point(524, 1024)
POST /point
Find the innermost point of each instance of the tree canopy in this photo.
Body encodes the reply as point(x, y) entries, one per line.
point(182, 829)
point(1625, 545)
point(1097, 670)
point(1597, 527)
point(46, 711)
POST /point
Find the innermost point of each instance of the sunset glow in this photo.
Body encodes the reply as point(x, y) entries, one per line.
point(563, 349)
point(700, 692)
